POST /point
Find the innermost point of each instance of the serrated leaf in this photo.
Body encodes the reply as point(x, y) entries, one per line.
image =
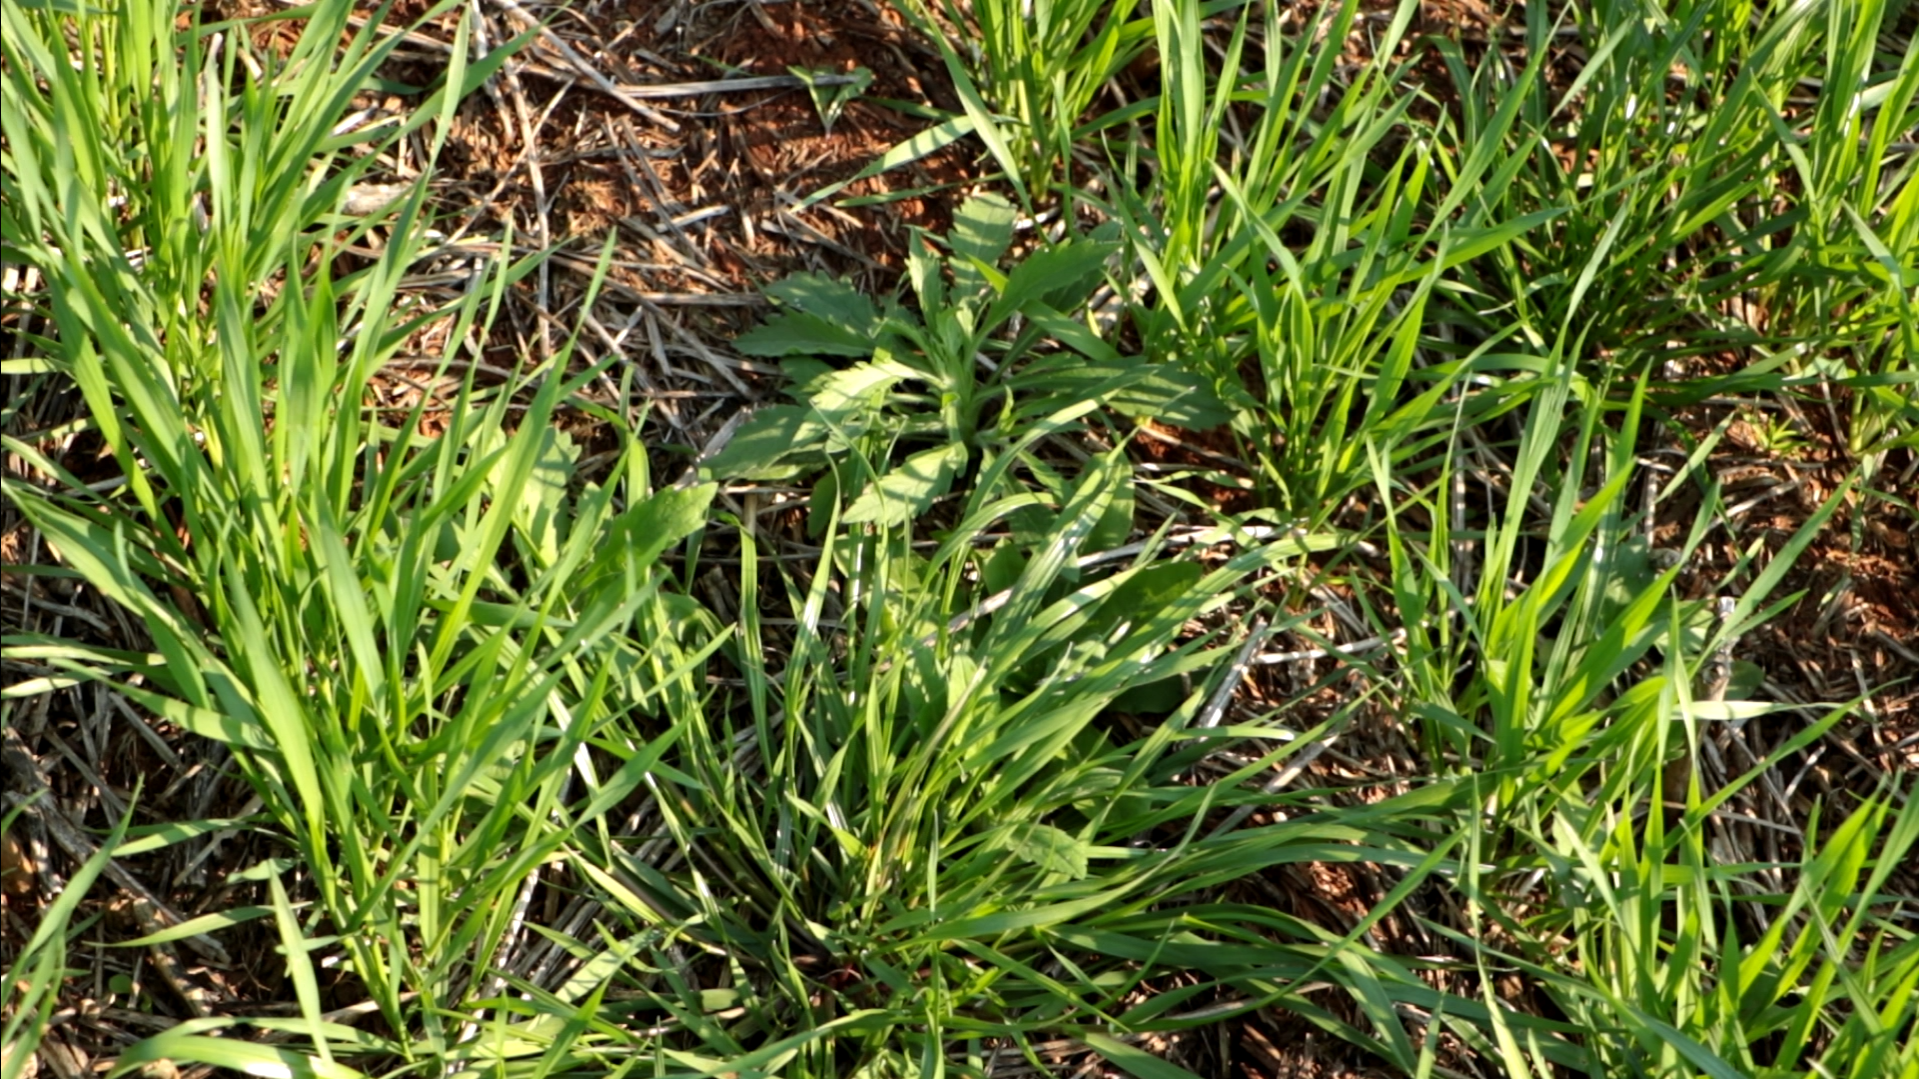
point(1145, 593)
point(832, 301)
point(1156, 391)
point(982, 230)
point(1072, 333)
point(539, 516)
point(848, 390)
point(1114, 622)
point(800, 370)
point(799, 333)
point(1047, 847)
point(1062, 277)
point(908, 491)
point(1173, 397)
point(760, 448)
point(1049, 382)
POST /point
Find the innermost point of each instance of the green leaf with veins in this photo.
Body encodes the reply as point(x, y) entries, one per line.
point(802, 333)
point(840, 392)
point(982, 230)
point(908, 491)
point(1045, 846)
point(768, 445)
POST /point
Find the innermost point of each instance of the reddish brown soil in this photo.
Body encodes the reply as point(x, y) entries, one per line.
point(705, 193)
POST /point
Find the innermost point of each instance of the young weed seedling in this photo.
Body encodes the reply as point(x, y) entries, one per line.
point(987, 355)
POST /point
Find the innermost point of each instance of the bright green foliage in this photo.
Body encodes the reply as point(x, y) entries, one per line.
point(988, 355)
point(408, 710)
point(1032, 74)
point(927, 827)
point(1296, 266)
point(1728, 226)
point(1576, 709)
point(951, 784)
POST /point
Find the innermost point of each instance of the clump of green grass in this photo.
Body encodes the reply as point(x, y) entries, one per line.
point(408, 712)
point(1600, 714)
point(1293, 257)
point(922, 832)
point(443, 662)
point(1742, 169)
point(1029, 76)
point(1378, 283)
point(947, 807)
point(926, 828)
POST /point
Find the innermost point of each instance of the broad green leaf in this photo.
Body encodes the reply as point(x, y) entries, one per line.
point(1047, 847)
point(1060, 276)
point(800, 333)
point(844, 392)
point(903, 494)
point(982, 229)
point(665, 518)
point(829, 299)
point(1156, 391)
point(541, 516)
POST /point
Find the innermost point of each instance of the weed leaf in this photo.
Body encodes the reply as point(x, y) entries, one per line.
point(900, 496)
point(761, 446)
point(1047, 847)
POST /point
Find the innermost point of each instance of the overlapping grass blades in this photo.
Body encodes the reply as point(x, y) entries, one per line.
point(927, 835)
point(422, 648)
point(326, 586)
point(1585, 705)
point(1741, 163)
point(932, 799)
point(1291, 250)
point(1030, 76)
